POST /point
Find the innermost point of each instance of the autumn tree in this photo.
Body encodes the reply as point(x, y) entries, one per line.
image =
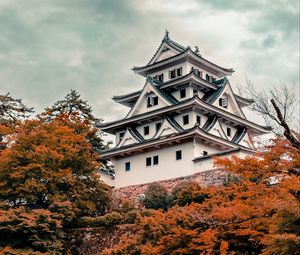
point(48, 172)
point(72, 104)
point(247, 216)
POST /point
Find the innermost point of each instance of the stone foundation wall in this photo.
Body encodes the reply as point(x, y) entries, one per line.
point(206, 178)
point(92, 241)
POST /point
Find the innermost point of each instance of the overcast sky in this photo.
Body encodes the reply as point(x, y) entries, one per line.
point(49, 47)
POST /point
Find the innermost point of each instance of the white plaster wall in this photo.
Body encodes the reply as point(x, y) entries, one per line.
point(233, 130)
point(208, 164)
point(200, 147)
point(167, 168)
point(152, 129)
point(166, 54)
point(179, 119)
point(142, 108)
point(107, 179)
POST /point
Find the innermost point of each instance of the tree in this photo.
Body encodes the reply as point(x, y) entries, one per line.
point(71, 105)
point(156, 197)
point(11, 111)
point(187, 192)
point(248, 216)
point(24, 231)
point(48, 174)
point(276, 107)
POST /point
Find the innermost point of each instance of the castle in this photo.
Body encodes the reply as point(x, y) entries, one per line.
point(185, 114)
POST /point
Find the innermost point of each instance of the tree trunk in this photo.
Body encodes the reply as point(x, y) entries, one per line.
point(287, 131)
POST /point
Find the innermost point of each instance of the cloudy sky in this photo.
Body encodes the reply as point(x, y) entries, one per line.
point(49, 47)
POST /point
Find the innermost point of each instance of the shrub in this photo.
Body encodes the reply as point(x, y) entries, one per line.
point(109, 219)
point(187, 192)
point(156, 197)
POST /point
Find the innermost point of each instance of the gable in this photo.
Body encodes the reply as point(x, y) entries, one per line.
point(246, 141)
point(227, 94)
point(168, 127)
point(217, 130)
point(164, 51)
point(128, 138)
point(140, 105)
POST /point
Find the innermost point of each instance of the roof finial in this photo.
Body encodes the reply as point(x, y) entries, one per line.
point(166, 37)
point(197, 50)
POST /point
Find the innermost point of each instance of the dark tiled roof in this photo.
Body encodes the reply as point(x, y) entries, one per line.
point(178, 56)
point(216, 154)
point(180, 103)
point(174, 124)
point(210, 123)
point(239, 135)
point(136, 134)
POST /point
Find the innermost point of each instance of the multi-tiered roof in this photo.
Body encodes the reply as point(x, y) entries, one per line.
point(207, 92)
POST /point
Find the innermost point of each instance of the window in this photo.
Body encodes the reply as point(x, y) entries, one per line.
point(198, 120)
point(182, 93)
point(148, 161)
point(152, 101)
point(207, 77)
point(172, 74)
point(155, 160)
point(223, 102)
point(121, 135)
point(205, 153)
point(175, 73)
point(146, 130)
point(213, 79)
point(185, 119)
point(179, 71)
point(127, 166)
point(178, 155)
point(195, 92)
point(159, 77)
point(228, 131)
point(157, 126)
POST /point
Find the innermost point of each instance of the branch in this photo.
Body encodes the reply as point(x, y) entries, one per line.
point(287, 131)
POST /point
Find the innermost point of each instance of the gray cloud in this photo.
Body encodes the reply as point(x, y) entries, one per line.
point(49, 47)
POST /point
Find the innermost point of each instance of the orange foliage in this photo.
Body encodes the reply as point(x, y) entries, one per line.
point(247, 216)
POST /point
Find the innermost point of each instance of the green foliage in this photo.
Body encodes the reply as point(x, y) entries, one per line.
point(156, 197)
point(109, 219)
point(187, 192)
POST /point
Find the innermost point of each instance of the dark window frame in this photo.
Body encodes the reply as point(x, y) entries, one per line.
point(153, 103)
point(127, 166)
point(146, 130)
point(179, 155)
point(185, 119)
point(228, 131)
point(183, 93)
point(198, 120)
point(157, 126)
point(149, 161)
point(155, 160)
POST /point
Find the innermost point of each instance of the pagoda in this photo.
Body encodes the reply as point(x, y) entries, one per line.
point(185, 114)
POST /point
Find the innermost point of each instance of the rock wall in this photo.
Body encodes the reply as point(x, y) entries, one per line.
point(92, 241)
point(206, 178)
